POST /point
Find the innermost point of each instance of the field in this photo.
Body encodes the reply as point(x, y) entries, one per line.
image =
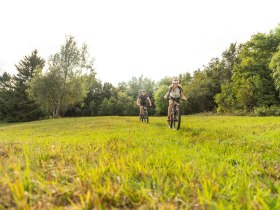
point(212, 162)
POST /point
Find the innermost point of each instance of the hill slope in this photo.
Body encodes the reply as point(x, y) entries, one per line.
point(101, 162)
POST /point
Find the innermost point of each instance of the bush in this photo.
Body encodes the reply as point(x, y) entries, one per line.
point(267, 111)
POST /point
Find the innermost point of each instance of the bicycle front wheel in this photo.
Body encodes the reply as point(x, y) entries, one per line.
point(141, 117)
point(146, 117)
point(170, 121)
point(177, 119)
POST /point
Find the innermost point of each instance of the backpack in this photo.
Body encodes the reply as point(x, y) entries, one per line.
point(179, 86)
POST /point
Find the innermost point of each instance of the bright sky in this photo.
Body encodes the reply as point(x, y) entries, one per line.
point(154, 38)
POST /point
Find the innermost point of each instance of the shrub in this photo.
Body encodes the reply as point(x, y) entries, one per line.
point(267, 111)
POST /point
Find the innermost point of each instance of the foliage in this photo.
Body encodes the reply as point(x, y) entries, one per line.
point(267, 111)
point(161, 103)
point(16, 106)
point(67, 81)
point(29, 66)
point(252, 84)
point(245, 77)
point(226, 100)
point(125, 104)
point(275, 66)
point(6, 83)
point(91, 104)
point(207, 83)
point(165, 81)
point(108, 107)
point(135, 85)
point(198, 93)
point(253, 72)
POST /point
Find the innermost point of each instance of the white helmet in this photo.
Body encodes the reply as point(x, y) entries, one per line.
point(175, 80)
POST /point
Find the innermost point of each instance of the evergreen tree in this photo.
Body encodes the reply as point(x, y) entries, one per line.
point(18, 106)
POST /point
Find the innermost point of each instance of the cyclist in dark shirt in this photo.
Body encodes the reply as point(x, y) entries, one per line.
point(143, 100)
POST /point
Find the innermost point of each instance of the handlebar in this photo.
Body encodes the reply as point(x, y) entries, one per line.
point(181, 99)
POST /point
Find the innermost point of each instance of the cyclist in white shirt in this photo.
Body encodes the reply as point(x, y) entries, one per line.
point(174, 93)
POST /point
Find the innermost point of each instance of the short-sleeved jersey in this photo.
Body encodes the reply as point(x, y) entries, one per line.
point(143, 99)
point(175, 93)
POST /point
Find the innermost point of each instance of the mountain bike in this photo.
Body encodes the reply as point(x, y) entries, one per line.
point(175, 115)
point(144, 117)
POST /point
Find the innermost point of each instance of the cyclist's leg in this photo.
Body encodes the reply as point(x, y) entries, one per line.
point(170, 108)
point(141, 110)
point(177, 116)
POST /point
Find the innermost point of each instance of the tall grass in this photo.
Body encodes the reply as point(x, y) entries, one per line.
point(212, 162)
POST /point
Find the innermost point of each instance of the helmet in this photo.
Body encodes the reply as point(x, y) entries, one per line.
point(143, 90)
point(175, 80)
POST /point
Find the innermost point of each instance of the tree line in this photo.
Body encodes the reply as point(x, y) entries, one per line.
point(244, 80)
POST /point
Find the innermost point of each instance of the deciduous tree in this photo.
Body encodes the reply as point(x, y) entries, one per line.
point(67, 79)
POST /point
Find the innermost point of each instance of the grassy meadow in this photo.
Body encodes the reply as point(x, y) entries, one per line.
point(212, 162)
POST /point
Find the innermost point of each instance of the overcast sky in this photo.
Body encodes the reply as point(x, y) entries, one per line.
point(154, 38)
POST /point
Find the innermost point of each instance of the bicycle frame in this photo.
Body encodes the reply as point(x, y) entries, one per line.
point(175, 116)
point(144, 117)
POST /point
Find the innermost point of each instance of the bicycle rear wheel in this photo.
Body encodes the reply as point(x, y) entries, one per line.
point(177, 119)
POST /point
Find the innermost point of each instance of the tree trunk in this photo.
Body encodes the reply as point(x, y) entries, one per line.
point(56, 111)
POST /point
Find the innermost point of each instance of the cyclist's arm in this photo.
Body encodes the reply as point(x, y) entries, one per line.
point(149, 101)
point(138, 103)
point(183, 96)
point(166, 96)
